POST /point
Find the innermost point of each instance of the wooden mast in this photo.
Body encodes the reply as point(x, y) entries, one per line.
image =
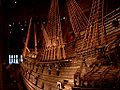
point(53, 34)
point(95, 35)
point(35, 38)
point(77, 18)
point(27, 39)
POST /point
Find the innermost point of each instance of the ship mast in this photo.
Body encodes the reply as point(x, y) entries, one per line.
point(53, 34)
point(35, 38)
point(77, 18)
point(27, 39)
point(95, 36)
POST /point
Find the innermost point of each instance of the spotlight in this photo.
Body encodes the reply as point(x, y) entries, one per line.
point(22, 29)
point(10, 25)
point(15, 2)
point(43, 22)
point(19, 22)
point(25, 21)
point(13, 23)
point(10, 32)
point(64, 18)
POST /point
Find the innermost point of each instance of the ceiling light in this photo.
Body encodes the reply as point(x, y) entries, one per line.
point(10, 25)
point(19, 22)
point(15, 2)
point(25, 21)
point(13, 23)
point(22, 29)
point(63, 17)
point(43, 22)
point(10, 32)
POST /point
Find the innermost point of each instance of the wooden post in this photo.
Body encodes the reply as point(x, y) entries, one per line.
point(54, 52)
point(63, 51)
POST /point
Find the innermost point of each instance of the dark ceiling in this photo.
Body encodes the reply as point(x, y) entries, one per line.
point(17, 8)
point(15, 11)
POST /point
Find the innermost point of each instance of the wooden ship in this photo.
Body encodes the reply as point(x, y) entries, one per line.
point(91, 60)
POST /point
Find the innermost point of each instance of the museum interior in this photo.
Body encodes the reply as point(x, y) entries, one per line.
point(59, 45)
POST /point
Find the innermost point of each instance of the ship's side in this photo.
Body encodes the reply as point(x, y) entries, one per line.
point(90, 61)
